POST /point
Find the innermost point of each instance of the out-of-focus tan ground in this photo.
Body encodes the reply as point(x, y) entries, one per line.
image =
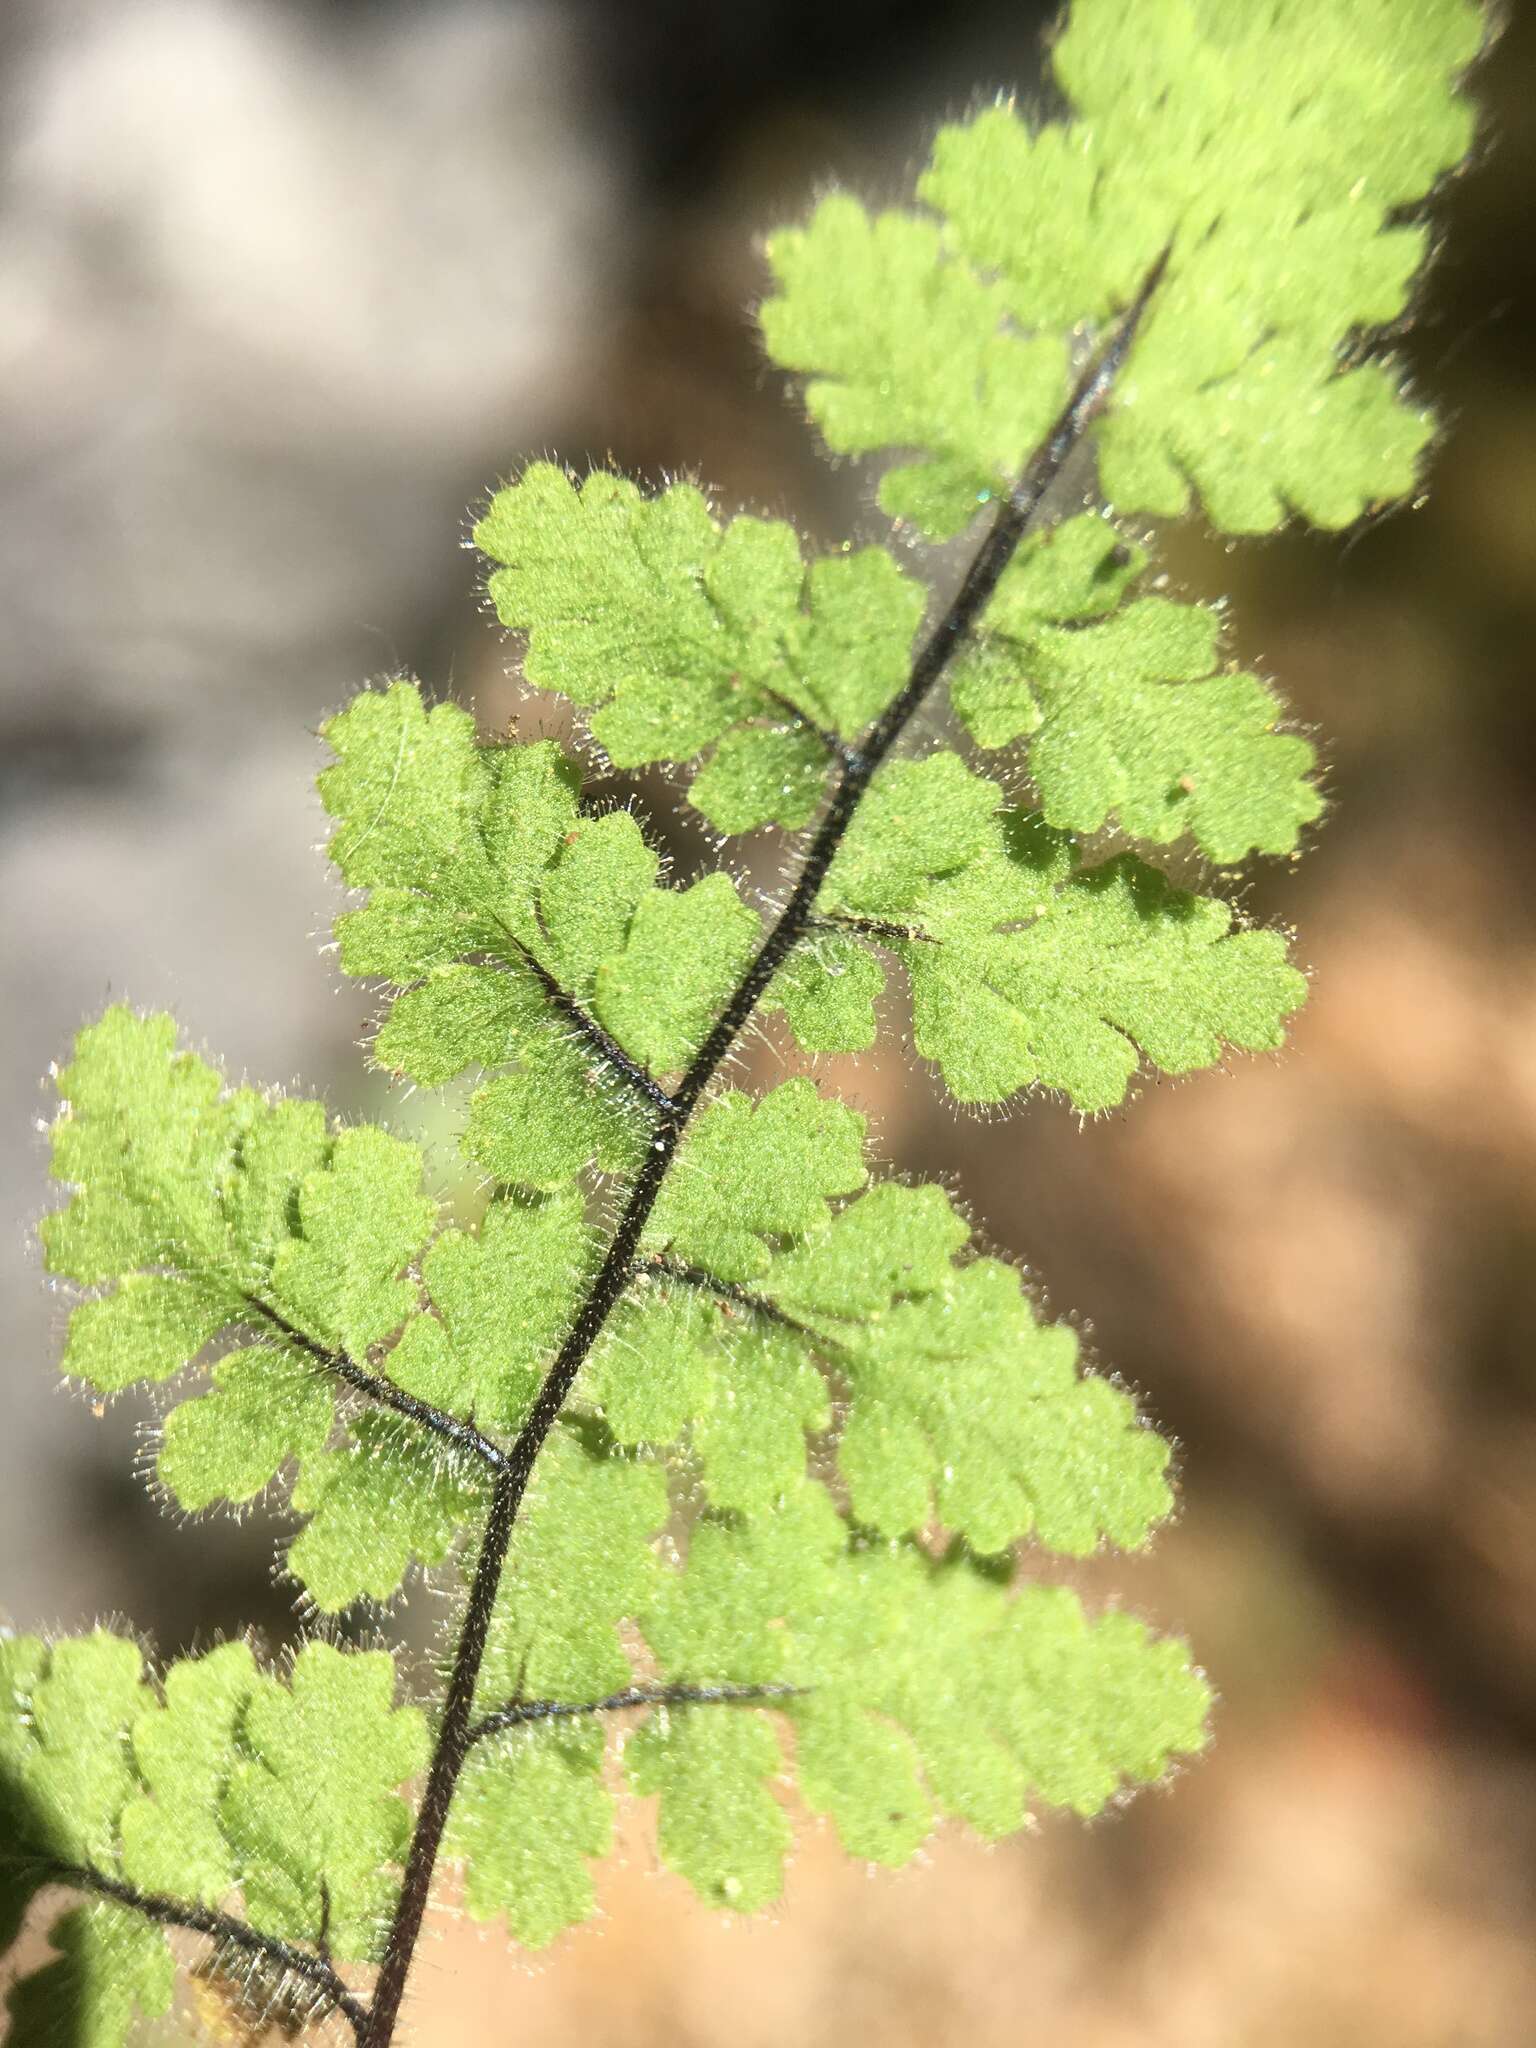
point(280, 297)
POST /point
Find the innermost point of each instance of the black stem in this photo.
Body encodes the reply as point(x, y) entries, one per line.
point(384, 1391)
point(517, 1712)
point(449, 1752)
point(876, 928)
point(323, 1938)
point(730, 1290)
point(587, 1027)
point(168, 1912)
point(839, 748)
point(857, 770)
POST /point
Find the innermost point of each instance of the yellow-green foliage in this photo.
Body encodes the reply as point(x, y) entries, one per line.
point(1272, 146)
point(734, 1429)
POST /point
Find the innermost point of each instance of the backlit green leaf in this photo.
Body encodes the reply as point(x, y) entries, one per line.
point(827, 990)
point(503, 1298)
point(227, 1779)
point(359, 1222)
point(761, 775)
point(676, 1363)
point(527, 939)
point(235, 1205)
point(1024, 974)
point(754, 1169)
point(685, 951)
point(726, 1450)
point(383, 1501)
point(266, 1405)
point(580, 1561)
point(172, 1840)
point(907, 348)
point(720, 1825)
point(530, 1813)
point(1127, 710)
point(676, 632)
point(1271, 150)
point(916, 1687)
point(110, 1968)
point(313, 1812)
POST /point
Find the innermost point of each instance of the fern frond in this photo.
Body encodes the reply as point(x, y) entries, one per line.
point(1128, 710)
point(208, 1216)
point(722, 1429)
point(1272, 148)
point(161, 1801)
point(683, 633)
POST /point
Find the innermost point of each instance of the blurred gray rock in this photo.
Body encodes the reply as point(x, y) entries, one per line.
point(280, 291)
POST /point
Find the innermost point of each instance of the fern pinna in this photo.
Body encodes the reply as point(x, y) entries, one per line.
point(732, 1438)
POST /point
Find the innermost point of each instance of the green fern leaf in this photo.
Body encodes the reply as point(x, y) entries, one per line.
point(223, 1779)
point(312, 1808)
point(66, 1776)
point(1023, 973)
point(562, 1109)
point(677, 1363)
point(256, 1217)
point(965, 1409)
point(454, 840)
point(522, 934)
point(960, 1408)
point(918, 1688)
point(531, 1808)
point(503, 1297)
point(172, 1841)
point(720, 1825)
point(147, 1329)
point(754, 1169)
point(934, 847)
point(581, 1562)
point(685, 634)
point(1122, 965)
point(827, 990)
point(920, 819)
point(643, 605)
point(231, 1201)
point(719, 1430)
point(908, 349)
point(23, 1660)
point(69, 1757)
point(264, 1407)
point(111, 1969)
point(761, 775)
point(684, 953)
point(531, 1812)
point(1272, 151)
point(360, 1220)
point(891, 1241)
point(379, 1503)
point(1126, 713)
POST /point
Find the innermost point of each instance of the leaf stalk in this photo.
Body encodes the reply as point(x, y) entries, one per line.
point(383, 1390)
point(516, 1713)
point(223, 1927)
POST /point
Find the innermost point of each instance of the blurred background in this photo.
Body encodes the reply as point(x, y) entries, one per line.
point(282, 290)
